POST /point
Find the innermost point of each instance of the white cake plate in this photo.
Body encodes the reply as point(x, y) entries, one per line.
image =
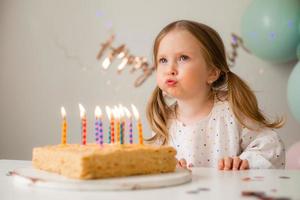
point(42, 179)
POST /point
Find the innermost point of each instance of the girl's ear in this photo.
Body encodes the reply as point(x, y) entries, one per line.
point(214, 74)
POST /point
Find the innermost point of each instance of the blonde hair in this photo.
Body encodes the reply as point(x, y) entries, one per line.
point(239, 95)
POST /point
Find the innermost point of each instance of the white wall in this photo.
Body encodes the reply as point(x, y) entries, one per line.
point(47, 59)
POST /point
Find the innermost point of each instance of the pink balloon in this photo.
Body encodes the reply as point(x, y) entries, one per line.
point(293, 157)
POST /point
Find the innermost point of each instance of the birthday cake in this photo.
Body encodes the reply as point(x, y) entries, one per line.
point(92, 161)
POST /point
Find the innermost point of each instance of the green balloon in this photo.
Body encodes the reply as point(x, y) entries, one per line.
point(298, 48)
point(270, 29)
point(293, 92)
point(298, 51)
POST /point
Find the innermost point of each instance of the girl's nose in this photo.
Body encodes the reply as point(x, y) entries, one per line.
point(172, 70)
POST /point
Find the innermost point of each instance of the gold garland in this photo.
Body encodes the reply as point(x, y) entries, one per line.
point(138, 62)
point(121, 52)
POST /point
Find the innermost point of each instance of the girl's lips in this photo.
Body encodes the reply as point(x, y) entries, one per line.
point(171, 82)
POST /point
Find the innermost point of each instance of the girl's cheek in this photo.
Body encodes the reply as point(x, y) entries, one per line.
point(158, 72)
point(193, 81)
point(159, 80)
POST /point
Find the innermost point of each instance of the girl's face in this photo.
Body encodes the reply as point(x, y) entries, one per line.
point(181, 68)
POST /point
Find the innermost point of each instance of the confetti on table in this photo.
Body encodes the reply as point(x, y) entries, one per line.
point(10, 173)
point(246, 179)
point(284, 177)
point(253, 194)
point(274, 190)
point(261, 195)
point(196, 191)
point(255, 178)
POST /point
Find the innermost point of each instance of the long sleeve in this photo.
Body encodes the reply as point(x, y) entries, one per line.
point(263, 149)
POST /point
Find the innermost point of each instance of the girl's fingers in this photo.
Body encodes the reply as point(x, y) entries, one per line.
point(182, 163)
point(221, 164)
point(236, 163)
point(244, 165)
point(228, 163)
point(178, 164)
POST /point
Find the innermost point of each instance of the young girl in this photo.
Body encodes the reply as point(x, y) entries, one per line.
point(215, 120)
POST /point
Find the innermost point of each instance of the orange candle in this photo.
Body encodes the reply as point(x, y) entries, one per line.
point(139, 123)
point(140, 131)
point(64, 126)
point(83, 123)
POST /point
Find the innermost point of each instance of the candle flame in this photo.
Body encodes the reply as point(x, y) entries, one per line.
point(63, 112)
point(121, 110)
point(108, 112)
point(106, 63)
point(127, 112)
point(82, 111)
point(116, 112)
point(98, 112)
point(135, 112)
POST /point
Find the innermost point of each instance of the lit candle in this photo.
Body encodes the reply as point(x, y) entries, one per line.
point(128, 115)
point(111, 128)
point(98, 126)
point(139, 125)
point(83, 123)
point(122, 123)
point(117, 118)
point(64, 126)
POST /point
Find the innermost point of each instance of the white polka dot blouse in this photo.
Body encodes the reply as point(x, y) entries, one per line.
point(202, 144)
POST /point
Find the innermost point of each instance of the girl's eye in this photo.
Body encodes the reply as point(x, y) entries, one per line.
point(183, 58)
point(162, 60)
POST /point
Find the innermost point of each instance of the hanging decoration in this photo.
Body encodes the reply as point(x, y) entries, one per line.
point(141, 63)
point(236, 42)
point(122, 52)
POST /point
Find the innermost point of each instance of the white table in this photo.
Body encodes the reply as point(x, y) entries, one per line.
point(220, 185)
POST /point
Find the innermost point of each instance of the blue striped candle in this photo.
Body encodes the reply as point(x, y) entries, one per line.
point(122, 131)
point(109, 115)
point(98, 126)
point(130, 131)
point(100, 131)
point(97, 130)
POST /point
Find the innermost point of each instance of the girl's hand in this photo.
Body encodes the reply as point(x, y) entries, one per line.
point(181, 163)
point(233, 163)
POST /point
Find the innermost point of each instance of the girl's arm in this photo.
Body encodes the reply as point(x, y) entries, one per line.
point(262, 149)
